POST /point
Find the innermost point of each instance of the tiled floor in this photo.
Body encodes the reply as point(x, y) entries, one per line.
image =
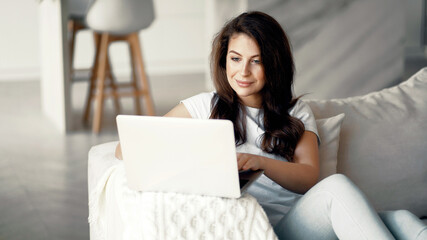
point(43, 174)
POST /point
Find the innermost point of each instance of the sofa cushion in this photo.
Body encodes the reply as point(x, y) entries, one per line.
point(383, 143)
point(329, 134)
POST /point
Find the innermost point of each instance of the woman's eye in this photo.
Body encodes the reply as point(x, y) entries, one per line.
point(256, 61)
point(236, 59)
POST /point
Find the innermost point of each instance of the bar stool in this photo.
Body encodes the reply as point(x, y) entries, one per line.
point(118, 20)
point(76, 23)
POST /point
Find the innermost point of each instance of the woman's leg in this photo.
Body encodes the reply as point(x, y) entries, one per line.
point(333, 208)
point(404, 225)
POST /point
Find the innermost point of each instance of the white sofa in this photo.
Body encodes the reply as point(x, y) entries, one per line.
point(383, 143)
point(382, 148)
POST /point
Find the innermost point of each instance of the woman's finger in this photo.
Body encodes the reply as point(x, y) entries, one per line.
point(241, 160)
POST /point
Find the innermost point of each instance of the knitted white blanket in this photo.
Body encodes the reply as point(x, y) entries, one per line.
point(152, 215)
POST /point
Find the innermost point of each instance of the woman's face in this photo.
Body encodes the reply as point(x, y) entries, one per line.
point(245, 72)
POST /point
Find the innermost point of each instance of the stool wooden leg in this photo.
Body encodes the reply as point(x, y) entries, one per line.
point(139, 66)
point(135, 84)
point(93, 77)
point(71, 43)
point(99, 100)
point(113, 87)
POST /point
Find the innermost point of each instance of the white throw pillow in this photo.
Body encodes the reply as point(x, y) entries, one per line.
point(329, 134)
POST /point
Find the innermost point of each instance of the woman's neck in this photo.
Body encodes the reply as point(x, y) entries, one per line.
point(252, 101)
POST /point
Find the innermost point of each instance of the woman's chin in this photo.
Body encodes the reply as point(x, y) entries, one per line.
point(243, 94)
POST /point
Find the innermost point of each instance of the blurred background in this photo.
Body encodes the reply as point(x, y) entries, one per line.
point(342, 48)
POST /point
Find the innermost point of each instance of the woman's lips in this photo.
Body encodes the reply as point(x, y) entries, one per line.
point(243, 83)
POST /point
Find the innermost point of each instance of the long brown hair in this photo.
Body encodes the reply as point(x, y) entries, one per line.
point(282, 131)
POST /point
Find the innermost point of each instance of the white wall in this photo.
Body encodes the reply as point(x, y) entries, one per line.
point(19, 41)
point(173, 44)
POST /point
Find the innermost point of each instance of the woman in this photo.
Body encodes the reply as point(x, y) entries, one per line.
point(253, 70)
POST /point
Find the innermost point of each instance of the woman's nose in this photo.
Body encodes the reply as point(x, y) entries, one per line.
point(245, 71)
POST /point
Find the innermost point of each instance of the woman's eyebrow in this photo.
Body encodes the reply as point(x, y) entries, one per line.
point(232, 51)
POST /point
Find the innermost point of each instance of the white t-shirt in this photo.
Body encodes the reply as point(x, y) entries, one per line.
point(275, 199)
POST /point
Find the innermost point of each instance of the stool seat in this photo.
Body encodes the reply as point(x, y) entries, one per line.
point(120, 17)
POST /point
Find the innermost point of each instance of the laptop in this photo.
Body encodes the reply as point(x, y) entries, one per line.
point(182, 155)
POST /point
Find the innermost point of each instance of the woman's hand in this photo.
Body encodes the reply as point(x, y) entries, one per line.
point(297, 176)
point(247, 161)
point(118, 152)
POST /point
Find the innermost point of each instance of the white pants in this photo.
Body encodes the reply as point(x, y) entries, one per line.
point(336, 208)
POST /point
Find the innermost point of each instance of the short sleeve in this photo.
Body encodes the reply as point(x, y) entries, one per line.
point(303, 112)
point(199, 106)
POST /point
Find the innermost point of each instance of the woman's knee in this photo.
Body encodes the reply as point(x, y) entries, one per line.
point(338, 185)
point(397, 214)
point(336, 180)
point(404, 225)
point(398, 217)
